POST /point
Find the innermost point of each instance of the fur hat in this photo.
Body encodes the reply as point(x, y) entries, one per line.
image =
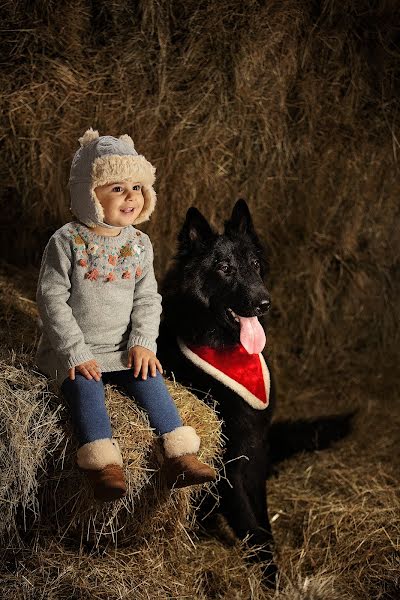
point(105, 159)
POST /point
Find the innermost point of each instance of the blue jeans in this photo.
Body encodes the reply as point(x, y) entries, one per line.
point(88, 410)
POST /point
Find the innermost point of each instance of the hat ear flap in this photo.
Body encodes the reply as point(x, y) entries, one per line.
point(127, 139)
point(150, 200)
point(98, 209)
point(89, 135)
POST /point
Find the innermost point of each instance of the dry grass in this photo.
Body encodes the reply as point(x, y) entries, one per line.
point(334, 513)
point(29, 433)
point(295, 106)
point(58, 543)
point(338, 514)
point(208, 570)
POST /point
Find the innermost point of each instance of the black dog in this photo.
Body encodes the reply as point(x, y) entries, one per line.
point(211, 298)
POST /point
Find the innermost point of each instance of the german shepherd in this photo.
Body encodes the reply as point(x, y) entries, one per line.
point(213, 296)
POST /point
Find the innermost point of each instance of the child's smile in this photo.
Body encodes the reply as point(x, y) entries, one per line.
point(122, 202)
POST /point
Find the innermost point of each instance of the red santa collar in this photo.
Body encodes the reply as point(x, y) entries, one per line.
point(246, 374)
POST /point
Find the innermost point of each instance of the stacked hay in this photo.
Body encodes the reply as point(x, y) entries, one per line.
point(293, 105)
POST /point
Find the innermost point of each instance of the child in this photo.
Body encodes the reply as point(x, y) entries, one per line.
point(100, 310)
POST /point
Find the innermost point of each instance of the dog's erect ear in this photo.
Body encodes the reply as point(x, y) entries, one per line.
point(240, 221)
point(195, 229)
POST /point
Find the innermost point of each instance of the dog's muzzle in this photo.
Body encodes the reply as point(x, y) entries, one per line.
point(263, 307)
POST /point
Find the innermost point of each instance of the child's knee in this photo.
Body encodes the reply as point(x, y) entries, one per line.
point(81, 385)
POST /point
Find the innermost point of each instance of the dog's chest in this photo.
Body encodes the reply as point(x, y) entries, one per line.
point(245, 374)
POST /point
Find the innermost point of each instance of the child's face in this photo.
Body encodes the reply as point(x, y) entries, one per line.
point(122, 202)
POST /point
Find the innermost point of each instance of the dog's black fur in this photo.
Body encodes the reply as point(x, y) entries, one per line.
point(210, 274)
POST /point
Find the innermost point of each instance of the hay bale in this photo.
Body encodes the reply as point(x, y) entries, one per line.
point(148, 510)
point(39, 471)
point(29, 433)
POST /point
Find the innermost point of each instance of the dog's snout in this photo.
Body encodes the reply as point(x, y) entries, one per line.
point(263, 307)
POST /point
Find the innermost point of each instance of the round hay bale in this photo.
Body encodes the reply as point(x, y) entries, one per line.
point(39, 472)
point(149, 509)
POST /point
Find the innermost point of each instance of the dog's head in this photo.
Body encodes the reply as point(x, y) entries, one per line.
point(224, 272)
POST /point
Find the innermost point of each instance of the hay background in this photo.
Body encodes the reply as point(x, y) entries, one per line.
point(294, 105)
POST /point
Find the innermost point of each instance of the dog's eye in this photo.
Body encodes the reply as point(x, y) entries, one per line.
point(225, 268)
point(256, 263)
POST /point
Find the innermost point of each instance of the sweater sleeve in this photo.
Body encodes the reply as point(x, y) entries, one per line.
point(53, 292)
point(146, 311)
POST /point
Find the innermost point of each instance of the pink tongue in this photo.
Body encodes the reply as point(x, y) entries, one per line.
point(252, 335)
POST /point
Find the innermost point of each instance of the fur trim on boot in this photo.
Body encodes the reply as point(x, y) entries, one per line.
point(101, 461)
point(182, 471)
point(98, 454)
point(180, 441)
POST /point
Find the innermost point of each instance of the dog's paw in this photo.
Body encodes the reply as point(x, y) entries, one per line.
point(269, 574)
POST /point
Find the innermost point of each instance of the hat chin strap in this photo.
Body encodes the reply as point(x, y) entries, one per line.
point(100, 210)
point(102, 224)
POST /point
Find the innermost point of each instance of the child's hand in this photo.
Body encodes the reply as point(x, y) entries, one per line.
point(143, 359)
point(90, 369)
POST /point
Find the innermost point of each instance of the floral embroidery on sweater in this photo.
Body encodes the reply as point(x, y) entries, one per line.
point(106, 262)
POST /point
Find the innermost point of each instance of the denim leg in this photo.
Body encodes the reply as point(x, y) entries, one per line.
point(152, 395)
point(88, 410)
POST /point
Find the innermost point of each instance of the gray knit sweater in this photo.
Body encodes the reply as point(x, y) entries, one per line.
point(97, 297)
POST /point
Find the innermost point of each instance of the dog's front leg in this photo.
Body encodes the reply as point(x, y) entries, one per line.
point(245, 508)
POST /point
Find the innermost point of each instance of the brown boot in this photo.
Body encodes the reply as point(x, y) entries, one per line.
point(101, 461)
point(182, 471)
point(108, 483)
